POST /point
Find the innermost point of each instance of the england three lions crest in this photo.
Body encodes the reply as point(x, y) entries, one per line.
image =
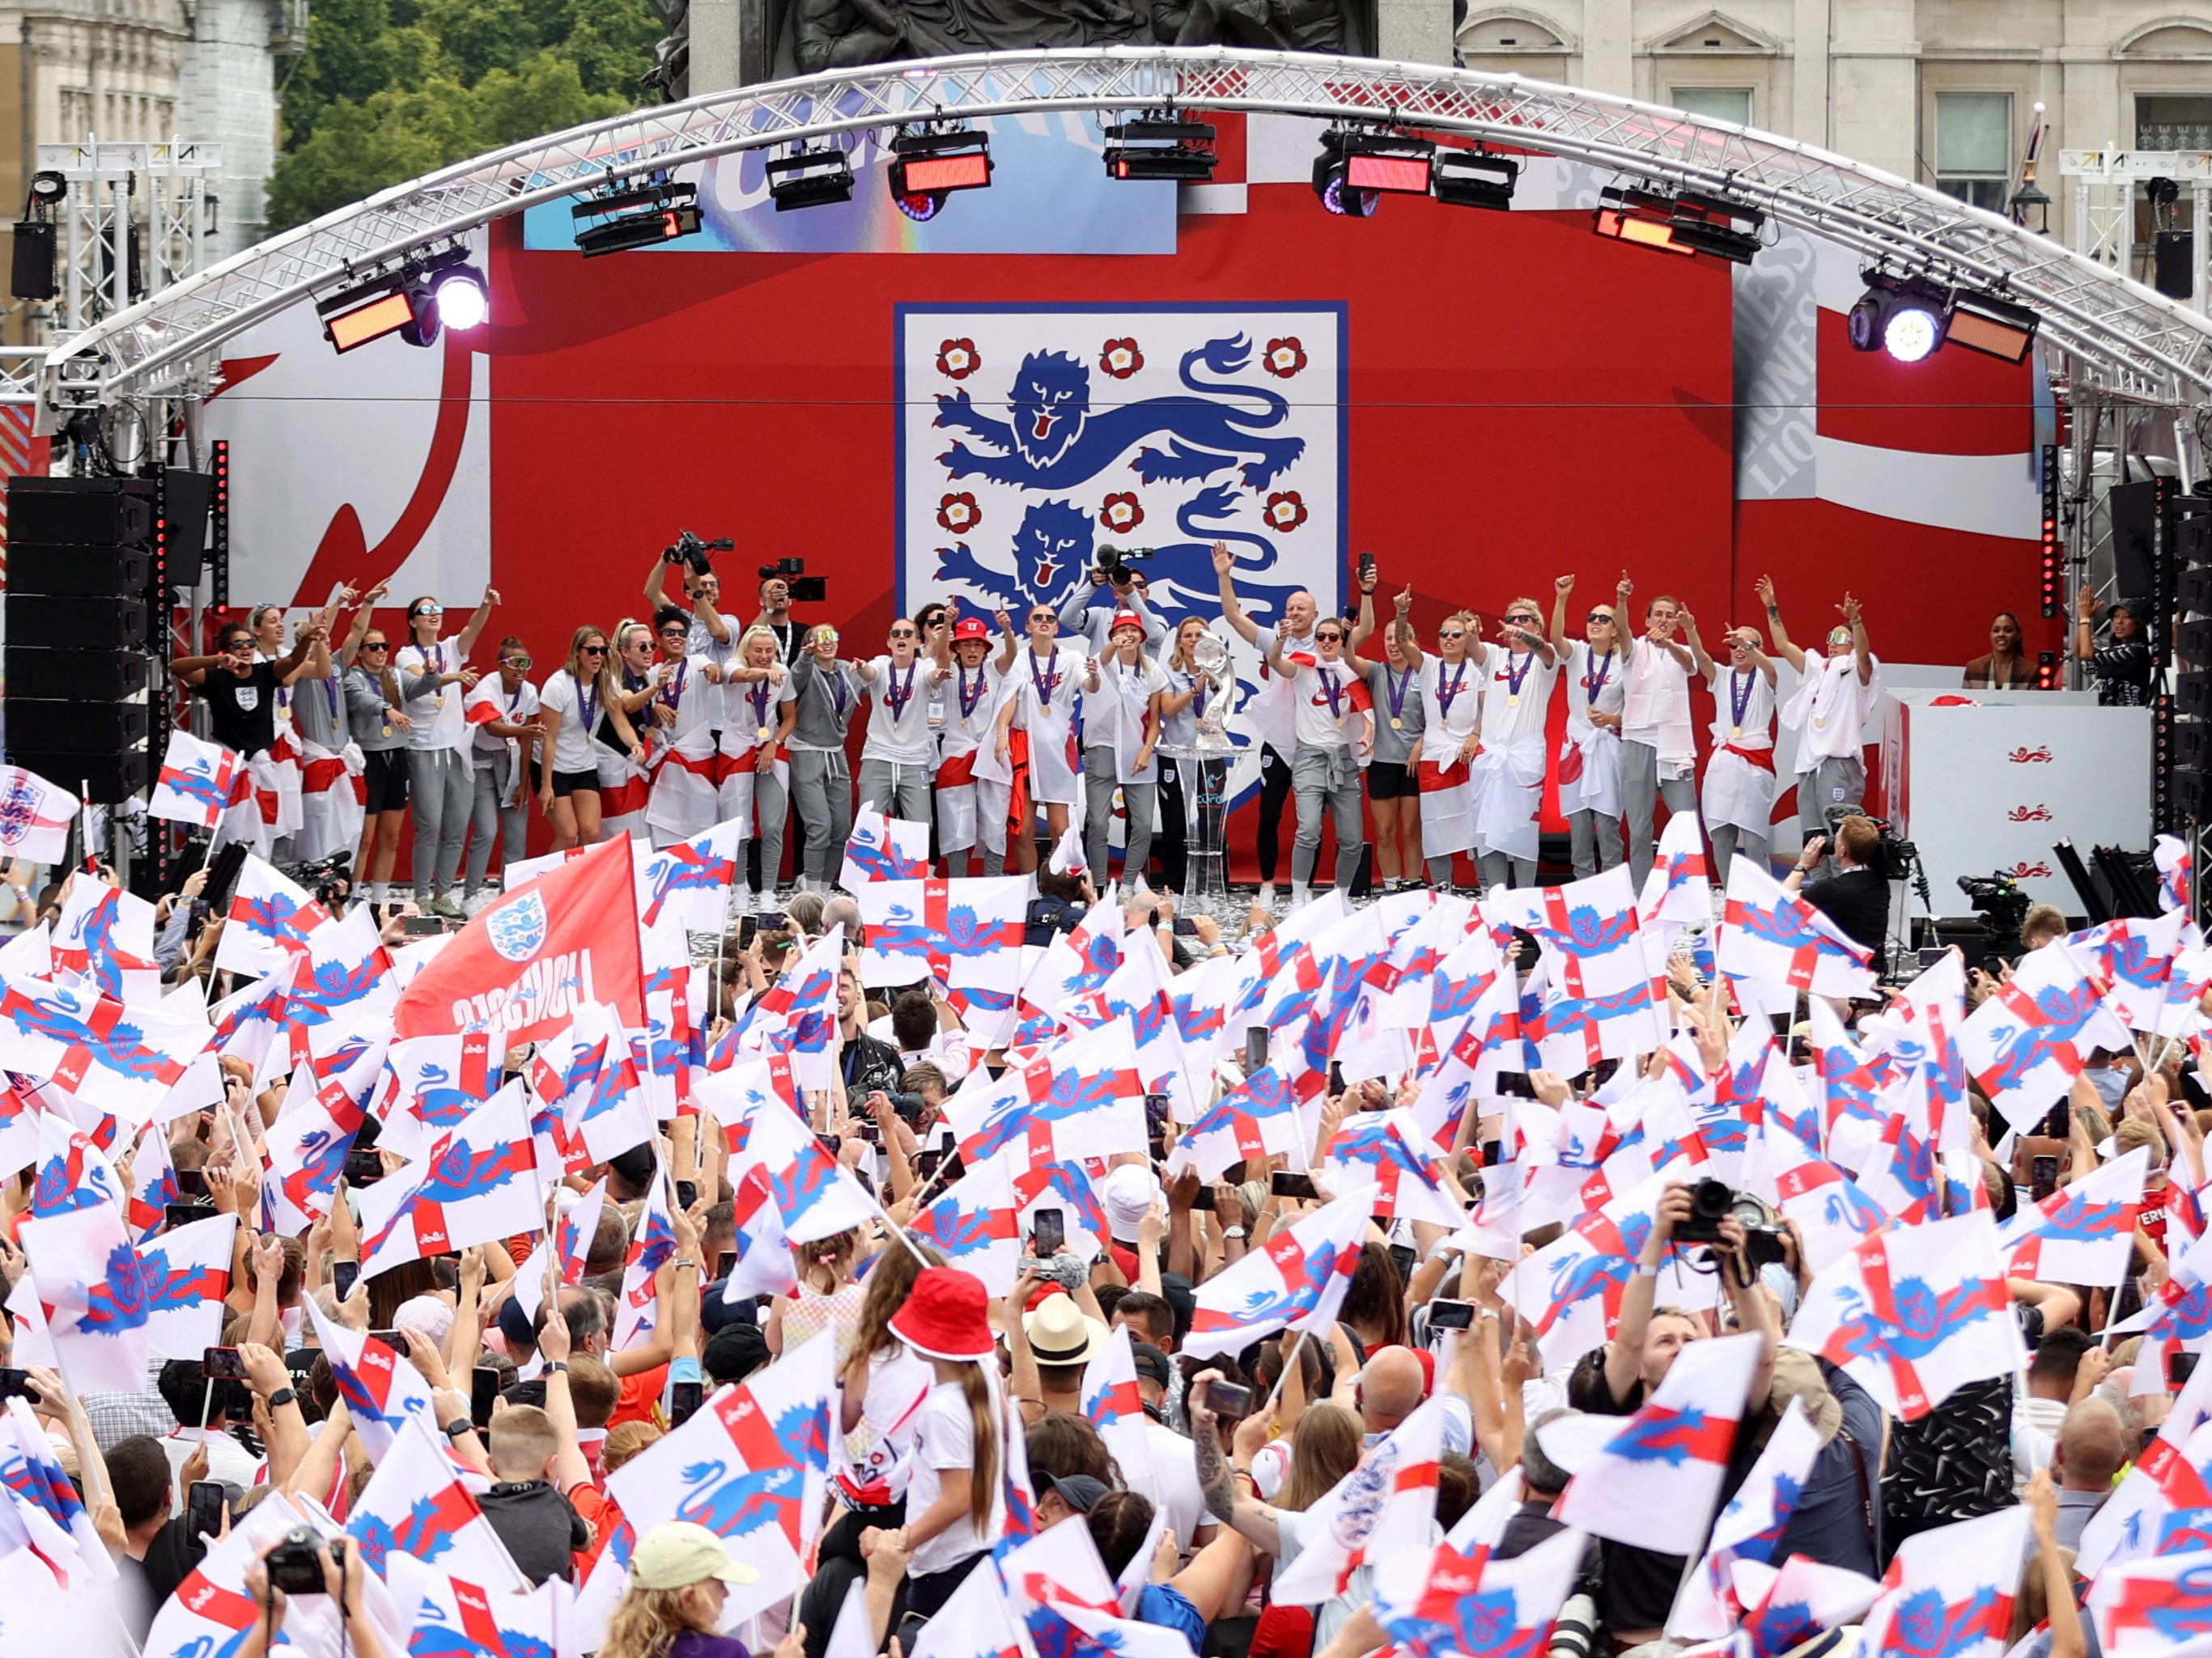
point(517, 927)
point(1030, 437)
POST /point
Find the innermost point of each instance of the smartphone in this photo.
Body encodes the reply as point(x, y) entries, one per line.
point(684, 1399)
point(2058, 1123)
point(1156, 1114)
point(222, 1363)
point(391, 1339)
point(866, 1128)
point(15, 1384)
point(1515, 1085)
point(1404, 1255)
point(1335, 1077)
point(830, 1144)
point(174, 1215)
point(363, 1167)
point(345, 1274)
point(925, 1167)
point(775, 920)
point(2043, 1177)
point(1228, 1399)
point(422, 927)
point(748, 929)
point(725, 1264)
point(191, 1182)
point(1367, 566)
point(1255, 1047)
point(204, 1506)
point(2179, 1366)
point(1452, 1314)
point(1048, 1233)
point(1493, 1153)
point(484, 1388)
point(687, 1193)
point(1203, 1198)
point(1185, 927)
point(1285, 1184)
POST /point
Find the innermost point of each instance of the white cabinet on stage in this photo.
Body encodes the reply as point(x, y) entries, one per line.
point(1986, 780)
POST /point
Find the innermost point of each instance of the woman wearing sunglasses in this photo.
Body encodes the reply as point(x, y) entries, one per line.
point(824, 693)
point(502, 713)
point(572, 705)
point(898, 753)
point(1443, 755)
point(377, 697)
point(1509, 774)
point(1589, 758)
point(1335, 732)
point(438, 747)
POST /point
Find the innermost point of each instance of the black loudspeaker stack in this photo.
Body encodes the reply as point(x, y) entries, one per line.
point(82, 569)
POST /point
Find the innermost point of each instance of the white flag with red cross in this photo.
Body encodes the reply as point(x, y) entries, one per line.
point(1914, 1314)
point(34, 816)
point(382, 1388)
point(1298, 1282)
point(1570, 1289)
point(416, 1505)
point(2027, 1042)
point(1949, 1591)
point(973, 1224)
point(1081, 1098)
point(966, 932)
point(113, 1058)
point(1385, 1506)
point(1774, 936)
point(198, 783)
point(2083, 1233)
point(479, 1183)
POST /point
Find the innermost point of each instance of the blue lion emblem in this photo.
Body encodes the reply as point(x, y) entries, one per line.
point(1924, 1321)
point(421, 1532)
point(1923, 1627)
point(1780, 1626)
point(439, 1640)
point(1847, 1206)
point(1656, 1434)
point(731, 1506)
point(955, 1231)
point(516, 928)
point(1054, 441)
point(1486, 1622)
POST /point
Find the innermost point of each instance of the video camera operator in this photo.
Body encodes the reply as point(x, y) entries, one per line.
point(1856, 898)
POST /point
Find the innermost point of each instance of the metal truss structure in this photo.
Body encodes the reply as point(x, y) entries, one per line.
point(2119, 336)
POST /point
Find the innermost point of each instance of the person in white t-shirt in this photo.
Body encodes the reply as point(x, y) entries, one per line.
point(438, 785)
point(1738, 800)
point(1658, 746)
point(1451, 738)
point(681, 733)
point(899, 752)
point(1836, 694)
point(1040, 702)
point(574, 702)
point(760, 711)
point(1122, 699)
point(1590, 759)
point(1516, 698)
point(1269, 707)
point(1335, 726)
point(971, 804)
point(502, 714)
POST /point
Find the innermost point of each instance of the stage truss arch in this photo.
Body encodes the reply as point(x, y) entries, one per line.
point(2122, 341)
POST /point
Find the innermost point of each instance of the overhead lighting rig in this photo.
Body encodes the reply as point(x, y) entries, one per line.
point(412, 300)
point(1358, 166)
point(809, 177)
point(639, 216)
point(929, 163)
point(1913, 317)
point(1159, 145)
point(1642, 216)
point(1684, 223)
point(1474, 177)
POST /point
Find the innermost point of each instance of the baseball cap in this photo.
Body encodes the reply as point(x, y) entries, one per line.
point(1079, 1490)
point(1151, 1363)
point(735, 1352)
point(678, 1553)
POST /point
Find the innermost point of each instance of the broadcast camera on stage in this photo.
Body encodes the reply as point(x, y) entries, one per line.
point(2001, 905)
point(1895, 860)
point(330, 879)
point(690, 550)
point(1113, 564)
point(792, 572)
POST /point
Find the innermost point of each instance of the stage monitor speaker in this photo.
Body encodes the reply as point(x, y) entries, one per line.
point(2134, 508)
point(84, 512)
point(189, 495)
point(2170, 263)
point(32, 268)
point(106, 780)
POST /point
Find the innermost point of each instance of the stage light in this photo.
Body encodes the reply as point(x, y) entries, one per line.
point(1640, 217)
point(1911, 331)
point(1473, 178)
point(664, 210)
point(1160, 146)
point(809, 178)
point(361, 314)
point(1990, 324)
point(2054, 550)
point(462, 298)
point(929, 165)
point(1901, 315)
point(2046, 670)
point(1707, 224)
point(1356, 169)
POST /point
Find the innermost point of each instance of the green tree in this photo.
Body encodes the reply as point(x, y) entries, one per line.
point(390, 89)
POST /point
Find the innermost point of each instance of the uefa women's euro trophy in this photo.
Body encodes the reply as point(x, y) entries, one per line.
point(1206, 794)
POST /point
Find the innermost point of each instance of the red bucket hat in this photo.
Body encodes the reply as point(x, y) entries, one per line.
point(945, 1315)
point(1127, 619)
point(970, 627)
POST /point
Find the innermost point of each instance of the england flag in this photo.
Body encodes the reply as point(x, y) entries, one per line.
point(1774, 938)
point(2035, 1035)
point(1297, 1282)
point(884, 848)
point(416, 1505)
point(1255, 1119)
point(198, 783)
point(382, 1388)
point(690, 880)
point(479, 1183)
point(34, 816)
point(2083, 1233)
point(974, 1226)
point(1950, 1590)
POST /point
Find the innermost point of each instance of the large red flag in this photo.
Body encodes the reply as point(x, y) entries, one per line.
point(523, 967)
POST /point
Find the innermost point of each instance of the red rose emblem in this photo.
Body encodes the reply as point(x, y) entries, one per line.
point(1120, 358)
point(959, 513)
point(957, 359)
point(1120, 514)
point(1285, 511)
point(1284, 358)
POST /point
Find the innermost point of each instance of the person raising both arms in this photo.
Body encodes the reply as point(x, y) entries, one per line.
point(1738, 800)
point(1393, 788)
point(1590, 759)
point(1509, 783)
point(1658, 750)
point(439, 781)
point(1836, 696)
point(1271, 709)
point(1335, 734)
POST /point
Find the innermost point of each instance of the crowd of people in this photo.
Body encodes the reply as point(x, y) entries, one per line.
point(691, 716)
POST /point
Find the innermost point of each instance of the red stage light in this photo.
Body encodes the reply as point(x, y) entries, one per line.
point(1404, 174)
point(1645, 233)
point(921, 174)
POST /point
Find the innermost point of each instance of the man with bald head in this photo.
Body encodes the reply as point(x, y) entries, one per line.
point(2091, 1450)
point(1271, 708)
point(1391, 1387)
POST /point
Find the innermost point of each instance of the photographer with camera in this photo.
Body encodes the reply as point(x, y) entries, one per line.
point(302, 1562)
point(1116, 585)
point(1856, 898)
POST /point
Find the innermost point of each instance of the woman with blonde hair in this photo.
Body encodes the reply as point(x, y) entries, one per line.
point(679, 1581)
point(574, 702)
point(758, 713)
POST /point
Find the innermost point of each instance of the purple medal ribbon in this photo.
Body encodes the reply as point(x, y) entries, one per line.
point(969, 700)
point(759, 692)
point(1447, 694)
point(1333, 691)
point(1512, 679)
point(1045, 684)
point(898, 699)
point(588, 703)
point(837, 689)
point(1594, 688)
point(1397, 688)
point(672, 692)
point(1740, 699)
